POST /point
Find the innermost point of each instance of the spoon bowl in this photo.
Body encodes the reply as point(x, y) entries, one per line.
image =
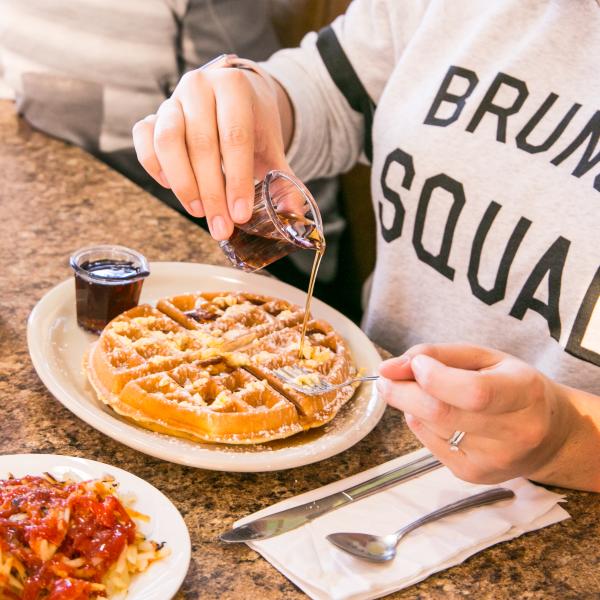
point(376, 548)
point(382, 548)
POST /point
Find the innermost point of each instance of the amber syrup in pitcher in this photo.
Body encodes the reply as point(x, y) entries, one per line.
point(111, 287)
point(251, 251)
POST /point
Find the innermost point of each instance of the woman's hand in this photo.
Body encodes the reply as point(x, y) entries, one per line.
point(516, 420)
point(220, 129)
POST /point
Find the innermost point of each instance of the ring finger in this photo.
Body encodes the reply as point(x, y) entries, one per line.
point(437, 441)
point(409, 397)
point(469, 462)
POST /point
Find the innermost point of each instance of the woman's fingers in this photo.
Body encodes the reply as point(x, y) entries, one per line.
point(489, 391)
point(443, 418)
point(171, 151)
point(460, 356)
point(472, 460)
point(396, 368)
point(202, 142)
point(218, 119)
point(235, 119)
point(504, 406)
point(143, 141)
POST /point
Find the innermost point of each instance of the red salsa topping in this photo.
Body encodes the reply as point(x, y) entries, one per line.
point(64, 536)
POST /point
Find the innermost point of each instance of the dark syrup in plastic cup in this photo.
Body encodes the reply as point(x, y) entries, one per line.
point(108, 281)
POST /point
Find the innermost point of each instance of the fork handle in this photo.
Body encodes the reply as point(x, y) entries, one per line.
point(345, 383)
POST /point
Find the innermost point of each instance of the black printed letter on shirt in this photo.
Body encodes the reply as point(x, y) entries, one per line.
point(582, 321)
point(440, 261)
point(499, 290)
point(552, 263)
point(521, 138)
point(487, 104)
point(591, 130)
point(404, 159)
point(444, 95)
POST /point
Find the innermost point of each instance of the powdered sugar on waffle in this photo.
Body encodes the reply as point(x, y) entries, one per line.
point(200, 366)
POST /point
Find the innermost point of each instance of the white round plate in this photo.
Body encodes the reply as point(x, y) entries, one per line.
point(57, 346)
point(163, 578)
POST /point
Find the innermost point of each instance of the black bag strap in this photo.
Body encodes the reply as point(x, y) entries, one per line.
point(345, 78)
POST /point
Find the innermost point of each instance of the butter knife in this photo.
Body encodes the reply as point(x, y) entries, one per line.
point(291, 518)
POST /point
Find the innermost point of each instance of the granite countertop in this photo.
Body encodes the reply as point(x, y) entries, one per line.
point(55, 198)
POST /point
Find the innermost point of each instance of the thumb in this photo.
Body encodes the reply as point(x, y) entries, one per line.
point(396, 368)
point(460, 356)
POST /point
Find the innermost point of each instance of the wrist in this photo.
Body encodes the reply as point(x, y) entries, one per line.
point(569, 433)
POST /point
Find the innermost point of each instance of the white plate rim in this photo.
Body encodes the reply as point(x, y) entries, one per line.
point(175, 566)
point(145, 441)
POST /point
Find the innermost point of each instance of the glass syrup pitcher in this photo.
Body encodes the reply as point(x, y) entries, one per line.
point(285, 218)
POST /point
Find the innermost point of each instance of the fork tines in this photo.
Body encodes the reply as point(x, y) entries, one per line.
point(290, 374)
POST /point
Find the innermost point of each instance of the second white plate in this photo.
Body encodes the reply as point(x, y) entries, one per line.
point(57, 345)
point(163, 578)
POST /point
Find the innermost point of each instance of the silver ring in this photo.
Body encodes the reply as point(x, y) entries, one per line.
point(455, 440)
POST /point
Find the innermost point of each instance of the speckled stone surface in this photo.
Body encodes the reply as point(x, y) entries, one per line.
point(55, 198)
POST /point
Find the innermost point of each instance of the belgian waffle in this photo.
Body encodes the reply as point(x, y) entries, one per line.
point(201, 366)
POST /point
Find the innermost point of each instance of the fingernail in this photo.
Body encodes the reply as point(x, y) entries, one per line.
point(240, 210)
point(396, 360)
point(420, 363)
point(196, 208)
point(163, 179)
point(217, 228)
point(393, 363)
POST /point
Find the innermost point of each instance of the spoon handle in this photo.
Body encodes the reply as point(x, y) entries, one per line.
point(487, 497)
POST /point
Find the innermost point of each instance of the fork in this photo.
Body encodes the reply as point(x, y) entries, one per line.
point(290, 375)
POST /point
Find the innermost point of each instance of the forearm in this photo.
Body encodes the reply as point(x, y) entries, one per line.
point(325, 134)
point(576, 464)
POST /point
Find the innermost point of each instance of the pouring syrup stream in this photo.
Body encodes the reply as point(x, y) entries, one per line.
point(319, 241)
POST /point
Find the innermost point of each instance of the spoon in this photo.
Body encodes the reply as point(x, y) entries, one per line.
point(381, 548)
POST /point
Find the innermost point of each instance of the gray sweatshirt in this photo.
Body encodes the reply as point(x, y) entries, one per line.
point(485, 168)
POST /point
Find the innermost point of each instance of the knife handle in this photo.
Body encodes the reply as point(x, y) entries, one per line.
point(386, 480)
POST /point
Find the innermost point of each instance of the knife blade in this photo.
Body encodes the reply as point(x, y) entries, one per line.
point(291, 518)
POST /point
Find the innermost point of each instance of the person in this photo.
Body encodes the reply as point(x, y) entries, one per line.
point(87, 75)
point(481, 124)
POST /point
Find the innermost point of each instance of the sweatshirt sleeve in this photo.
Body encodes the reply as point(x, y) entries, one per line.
point(328, 133)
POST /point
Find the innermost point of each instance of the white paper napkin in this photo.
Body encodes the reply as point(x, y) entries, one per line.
point(324, 572)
